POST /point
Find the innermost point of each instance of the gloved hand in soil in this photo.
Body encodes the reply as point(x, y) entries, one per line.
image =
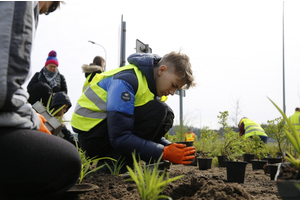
point(179, 153)
point(43, 128)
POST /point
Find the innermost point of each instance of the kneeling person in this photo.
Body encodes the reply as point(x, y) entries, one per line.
point(121, 112)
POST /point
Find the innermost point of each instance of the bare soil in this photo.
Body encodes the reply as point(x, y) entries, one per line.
point(196, 184)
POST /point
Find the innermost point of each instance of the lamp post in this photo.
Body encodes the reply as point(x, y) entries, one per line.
point(103, 49)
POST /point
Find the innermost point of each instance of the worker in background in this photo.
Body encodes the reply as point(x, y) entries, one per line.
point(249, 128)
point(295, 119)
point(97, 67)
point(189, 136)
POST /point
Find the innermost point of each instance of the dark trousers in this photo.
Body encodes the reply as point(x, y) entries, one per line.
point(36, 165)
point(151, 122)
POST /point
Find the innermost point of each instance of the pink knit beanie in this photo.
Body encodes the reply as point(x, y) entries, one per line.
point(51, 58)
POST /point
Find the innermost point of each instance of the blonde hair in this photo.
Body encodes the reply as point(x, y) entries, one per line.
point(181, 65)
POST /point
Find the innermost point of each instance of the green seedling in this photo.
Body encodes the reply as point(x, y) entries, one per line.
point(148, 181)
point(117, 165)
point(86, 162)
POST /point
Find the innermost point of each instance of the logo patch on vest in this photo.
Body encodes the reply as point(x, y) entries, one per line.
point(126, 96)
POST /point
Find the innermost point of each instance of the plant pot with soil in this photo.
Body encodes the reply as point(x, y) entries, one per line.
point(205, 147)
point(259, 149)
point(272, 169)
point(229, 143)
point(248, 155)
point(274, 160)
point(288, 181)
point(275, 130)
point(236, 171)
point(204, 163)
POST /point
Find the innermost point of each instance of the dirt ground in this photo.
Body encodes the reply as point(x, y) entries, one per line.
point(196, 184)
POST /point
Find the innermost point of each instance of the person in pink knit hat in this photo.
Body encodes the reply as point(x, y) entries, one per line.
point(47, 82)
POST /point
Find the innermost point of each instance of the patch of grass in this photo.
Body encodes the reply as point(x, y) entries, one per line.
point(149, 181)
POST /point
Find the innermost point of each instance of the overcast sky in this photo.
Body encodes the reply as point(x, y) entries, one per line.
point(235, 47)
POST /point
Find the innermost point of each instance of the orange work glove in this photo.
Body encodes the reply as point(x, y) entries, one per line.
point(179, 153)
point(43, 128)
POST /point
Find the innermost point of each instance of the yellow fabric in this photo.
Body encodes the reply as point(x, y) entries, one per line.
point(84, 123)
point(295, 120)
point(252, 128)
point(164, 98)
point(86, 83)
point(189, 137)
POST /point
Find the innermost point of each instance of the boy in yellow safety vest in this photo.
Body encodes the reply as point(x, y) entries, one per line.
point(122, 110)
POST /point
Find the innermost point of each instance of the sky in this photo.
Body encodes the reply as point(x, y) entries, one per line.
point(235, 48)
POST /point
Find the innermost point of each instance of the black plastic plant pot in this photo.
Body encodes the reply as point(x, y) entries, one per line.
point(273, 170)
point(287, 188)
point(248, 157)
point(194, 162)
point(236, 171)
point(274, 160)
point(222, 161)
point(258, 164)
point(204, 163)
point(188, 144)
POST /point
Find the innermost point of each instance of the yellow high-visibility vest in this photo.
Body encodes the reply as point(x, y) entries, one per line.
point(252, 128)
point(189, 137)
point(90, 109)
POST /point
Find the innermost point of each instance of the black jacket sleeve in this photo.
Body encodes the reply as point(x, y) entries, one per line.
point(63, 84)
point(33, 81)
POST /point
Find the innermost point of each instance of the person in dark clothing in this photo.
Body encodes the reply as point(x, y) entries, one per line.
point(62, 102)
point(46, 82)
point(37, 165)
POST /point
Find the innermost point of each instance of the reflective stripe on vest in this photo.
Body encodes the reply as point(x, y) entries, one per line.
point(252, 128)
point(295, 120)
point(91, 106)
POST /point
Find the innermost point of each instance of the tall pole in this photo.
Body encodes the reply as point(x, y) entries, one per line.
point(102, 48)
point(283, 57)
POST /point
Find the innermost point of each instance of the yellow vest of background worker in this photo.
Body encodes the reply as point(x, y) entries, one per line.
point(252, 128)
point(295, 119)
point(189, 136)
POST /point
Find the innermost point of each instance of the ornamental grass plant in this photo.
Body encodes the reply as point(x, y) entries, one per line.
point(86, 162)
point(293, 136)
point(150, 181)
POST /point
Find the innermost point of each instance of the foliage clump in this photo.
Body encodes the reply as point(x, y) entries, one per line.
point(230, 143)
point(150, 182)
point(206, 145)
point(293, 137)
point(275, 130)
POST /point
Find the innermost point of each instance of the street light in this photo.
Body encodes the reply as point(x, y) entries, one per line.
point(103, 49)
